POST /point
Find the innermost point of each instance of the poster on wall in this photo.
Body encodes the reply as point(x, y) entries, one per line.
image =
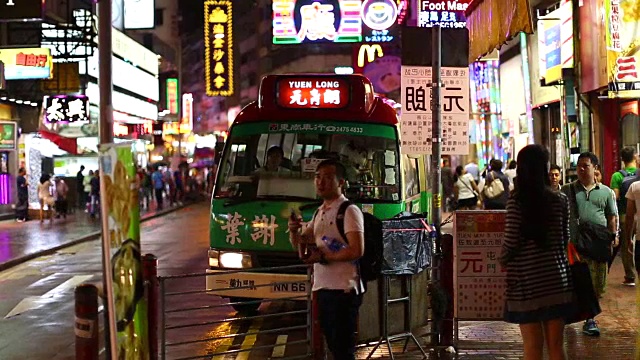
point(218, 45)
point(622, 20)
point(121, 217)
point(8, 135)
point(480, 281)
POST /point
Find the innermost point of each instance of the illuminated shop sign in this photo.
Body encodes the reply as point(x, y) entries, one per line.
point(139, 14)
point(305, 93)
point(380, 19)
point(187, 112)
point(68, 116)
point(298, 21)
point(66, 108)
point(127, 77)
point(12, 10)
point(218, 41)
point(124, 103)
point(172, 95)
point(623, 36)
point(445, 13)
point(8, 135)
point(22, 64)
point(380, 63)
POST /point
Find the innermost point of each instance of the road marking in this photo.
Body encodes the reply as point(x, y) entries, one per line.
point(250, 340)
point(226, 343)
point(69, 284)
point(34, 302)
point(25, 304)
point(280, 347)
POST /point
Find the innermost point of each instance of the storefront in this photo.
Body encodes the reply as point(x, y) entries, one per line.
point(8, 160)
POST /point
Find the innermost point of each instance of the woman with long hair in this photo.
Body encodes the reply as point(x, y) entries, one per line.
point(539, 288)
point(465, 189)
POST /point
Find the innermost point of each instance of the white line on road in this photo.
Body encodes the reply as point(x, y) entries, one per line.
point(34, 302)
point(280, 347)
point(69, 284)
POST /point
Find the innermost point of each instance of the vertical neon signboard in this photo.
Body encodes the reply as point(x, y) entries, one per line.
point(298, 21)
point(218, 47)
point(172, 95)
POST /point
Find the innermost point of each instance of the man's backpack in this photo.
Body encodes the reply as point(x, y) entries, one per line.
point(629, 178)
point(371, 262)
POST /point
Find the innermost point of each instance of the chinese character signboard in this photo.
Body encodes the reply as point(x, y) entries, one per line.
point(172, 95)
point(416, 124)
point(622, 18)
point(8, 135)
point(68, 116)
point(21, 10)
point(186, 123)
point(121, 241)
point(305, 93)
point(480, 281)
point(298, 21)
point(23, 64)
point(445, 13)
point(218, 42)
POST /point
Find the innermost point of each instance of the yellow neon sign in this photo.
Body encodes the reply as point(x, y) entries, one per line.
point(371, 51)
point(218, 39)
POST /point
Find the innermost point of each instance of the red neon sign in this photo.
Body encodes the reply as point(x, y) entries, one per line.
point(313, 93)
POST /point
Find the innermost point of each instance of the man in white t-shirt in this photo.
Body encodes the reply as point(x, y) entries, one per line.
point(336, 280)
point(633, 207)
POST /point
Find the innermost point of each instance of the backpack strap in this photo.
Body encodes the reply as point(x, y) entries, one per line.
point(623, 172)
point(340, 218)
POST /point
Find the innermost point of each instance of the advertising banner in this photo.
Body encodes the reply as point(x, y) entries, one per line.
point(416, 119)
point(218, 45)
point(380, 63)
point(556, 42)
point(121, 219)
point(21, 10)
point(445, 13)
point(27, 63)
point(480, 281)
point(622, 20)
point(8, 135)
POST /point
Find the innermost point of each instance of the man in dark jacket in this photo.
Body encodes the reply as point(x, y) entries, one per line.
point(82, 195)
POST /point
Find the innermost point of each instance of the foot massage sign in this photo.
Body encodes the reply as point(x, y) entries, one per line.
point(121, 218)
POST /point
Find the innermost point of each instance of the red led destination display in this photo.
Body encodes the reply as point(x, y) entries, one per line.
point(313, 93)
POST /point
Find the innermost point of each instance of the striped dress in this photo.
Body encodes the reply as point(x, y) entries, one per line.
point(539, 286)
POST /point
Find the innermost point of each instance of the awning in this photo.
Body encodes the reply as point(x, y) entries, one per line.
point(69, 145)
point(492, 23)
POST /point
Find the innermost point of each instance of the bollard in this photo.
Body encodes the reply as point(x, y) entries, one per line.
point(150, 274)
point(317, 341)
point(447, 285)
point(86, 322)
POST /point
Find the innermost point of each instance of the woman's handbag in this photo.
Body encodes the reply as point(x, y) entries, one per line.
point(495, 187)
point(585, 301)
point(592, 240)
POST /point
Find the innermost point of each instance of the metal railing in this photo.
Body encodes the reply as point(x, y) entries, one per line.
point(196, 324)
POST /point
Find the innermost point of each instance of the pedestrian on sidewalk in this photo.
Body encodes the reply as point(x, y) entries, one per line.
point(539, 289)
point(499, 201)
point(82, 195)
point(62, 192)
point(45, 197)
point(621, 181)
point(86, 183)
point(22, 207)
point(336, 279)
point(592, 202)
point(465, 190)
point(158, 187)
point(555, 177)
point(632, 225)
point(94, 208)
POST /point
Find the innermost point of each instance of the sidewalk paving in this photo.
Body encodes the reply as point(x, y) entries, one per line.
point(496, 340)
point(20, 242)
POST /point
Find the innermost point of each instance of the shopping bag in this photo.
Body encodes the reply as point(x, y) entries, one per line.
point(585, 301)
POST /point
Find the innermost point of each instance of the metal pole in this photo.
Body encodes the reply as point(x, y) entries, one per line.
point(86, 324)
point(150, 268)
point(106, 137)
point(436, 136)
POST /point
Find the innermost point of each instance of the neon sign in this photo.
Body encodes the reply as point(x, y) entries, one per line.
point(218, 47)
point(298, 21)
point(304, 93)
point(379, 18)
point(172, 95)
point(444, 13)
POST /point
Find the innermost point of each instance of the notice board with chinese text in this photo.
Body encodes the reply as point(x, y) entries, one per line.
point(479, 281)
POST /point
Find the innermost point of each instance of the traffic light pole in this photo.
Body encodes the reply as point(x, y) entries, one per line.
point(105, 83)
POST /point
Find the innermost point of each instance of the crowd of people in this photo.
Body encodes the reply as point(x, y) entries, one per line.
point(157, 184)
